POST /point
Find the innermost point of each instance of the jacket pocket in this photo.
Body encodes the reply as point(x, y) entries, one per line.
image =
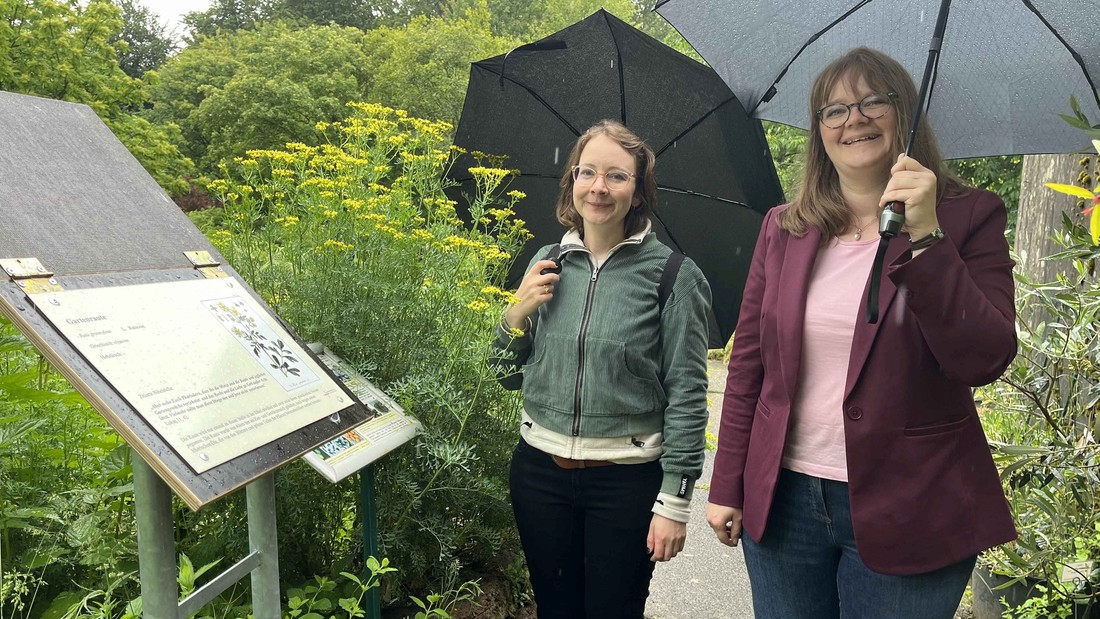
point(617, 385)
point(938, 428)
point(762, 410)
point(550, 375)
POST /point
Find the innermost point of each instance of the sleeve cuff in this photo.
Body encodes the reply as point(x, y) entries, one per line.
point(672, 507)
point(678, 485)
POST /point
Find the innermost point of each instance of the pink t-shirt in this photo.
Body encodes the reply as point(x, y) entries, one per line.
point(815, 443)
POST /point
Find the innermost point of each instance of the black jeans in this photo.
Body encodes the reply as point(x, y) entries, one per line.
point(584, 534)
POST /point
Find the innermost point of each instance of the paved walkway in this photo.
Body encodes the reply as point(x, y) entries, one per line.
point(707, 580)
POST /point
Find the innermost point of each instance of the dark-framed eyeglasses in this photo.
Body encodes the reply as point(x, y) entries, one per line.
point(615, 179)
point(874, 105)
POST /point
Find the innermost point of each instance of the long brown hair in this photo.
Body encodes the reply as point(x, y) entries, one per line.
point(819, 203)
point(645, 189)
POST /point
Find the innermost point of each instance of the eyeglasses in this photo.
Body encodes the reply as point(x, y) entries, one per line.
point(615, 179)
point(874, 105)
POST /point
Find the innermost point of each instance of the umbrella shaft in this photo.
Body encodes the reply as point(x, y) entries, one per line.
point(929, 71)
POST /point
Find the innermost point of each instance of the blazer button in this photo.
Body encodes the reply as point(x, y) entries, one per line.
point(855, 413)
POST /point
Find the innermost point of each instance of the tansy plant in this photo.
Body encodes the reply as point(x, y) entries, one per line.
point(355, 244)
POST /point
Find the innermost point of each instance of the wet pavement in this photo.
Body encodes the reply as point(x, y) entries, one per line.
point(708, 579)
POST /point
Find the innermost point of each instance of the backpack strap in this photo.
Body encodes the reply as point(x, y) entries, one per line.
point(554, 252)
point(668, 279)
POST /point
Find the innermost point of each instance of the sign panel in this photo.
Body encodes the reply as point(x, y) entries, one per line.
point(211, 371)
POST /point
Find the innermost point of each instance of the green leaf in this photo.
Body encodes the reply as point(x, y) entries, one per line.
point(1072, 190)
point(1076, 122)
point(1094, 224)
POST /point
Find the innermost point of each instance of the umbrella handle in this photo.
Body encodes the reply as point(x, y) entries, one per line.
point(891, 220)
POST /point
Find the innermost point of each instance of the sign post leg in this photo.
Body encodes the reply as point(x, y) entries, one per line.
point(156, 543)
point(373, 601)
point(262, 538)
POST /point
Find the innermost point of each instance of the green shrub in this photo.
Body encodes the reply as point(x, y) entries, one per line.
point(355, 245)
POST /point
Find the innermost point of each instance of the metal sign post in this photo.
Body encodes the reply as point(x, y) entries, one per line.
point(370, 536)
point(157, 552)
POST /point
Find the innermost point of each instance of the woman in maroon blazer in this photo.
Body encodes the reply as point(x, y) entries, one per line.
point(851, 453)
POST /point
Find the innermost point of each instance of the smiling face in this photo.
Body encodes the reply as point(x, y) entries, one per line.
point(861, 146)
point(599, 206)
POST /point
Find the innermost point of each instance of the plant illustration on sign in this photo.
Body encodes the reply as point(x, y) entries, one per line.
point(257, 337)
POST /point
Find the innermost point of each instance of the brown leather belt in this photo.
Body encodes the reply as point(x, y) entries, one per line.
point(570, 463)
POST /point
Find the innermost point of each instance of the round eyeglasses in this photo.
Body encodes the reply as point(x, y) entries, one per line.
point(872, 106)
point(615, 179)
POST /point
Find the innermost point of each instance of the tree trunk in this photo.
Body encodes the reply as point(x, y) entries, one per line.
point(1041, 211)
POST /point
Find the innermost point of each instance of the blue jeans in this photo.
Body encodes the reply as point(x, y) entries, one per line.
point(807, 566)
point(584, 534)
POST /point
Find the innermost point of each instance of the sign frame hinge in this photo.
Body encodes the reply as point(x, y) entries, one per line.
point(206, 264)
point(30, 275)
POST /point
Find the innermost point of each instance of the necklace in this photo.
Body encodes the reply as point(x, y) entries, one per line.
point(859, 231)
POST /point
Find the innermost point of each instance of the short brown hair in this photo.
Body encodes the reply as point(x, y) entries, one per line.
point(819, 203)
point(645, 189)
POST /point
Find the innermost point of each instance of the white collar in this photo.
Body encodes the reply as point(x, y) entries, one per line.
point(572, 239)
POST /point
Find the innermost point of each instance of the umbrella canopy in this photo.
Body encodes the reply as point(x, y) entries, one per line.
point(715, 175)
point(1006, 69)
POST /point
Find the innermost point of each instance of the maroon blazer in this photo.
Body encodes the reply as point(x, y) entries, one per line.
point(923, 487)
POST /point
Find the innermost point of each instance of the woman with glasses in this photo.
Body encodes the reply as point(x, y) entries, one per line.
point(614, 389)
point(850, 454)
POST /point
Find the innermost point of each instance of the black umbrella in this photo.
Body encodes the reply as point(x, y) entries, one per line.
point(715, 175)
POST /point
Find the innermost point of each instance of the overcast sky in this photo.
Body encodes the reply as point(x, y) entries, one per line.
point(171, 11)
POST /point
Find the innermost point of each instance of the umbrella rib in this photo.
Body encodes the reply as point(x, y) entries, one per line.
point(690, 192)
point(770, 92)
point(619, 66)
point(694, 125)
point(538, 98)
point(1072, 52)
point(657, 216)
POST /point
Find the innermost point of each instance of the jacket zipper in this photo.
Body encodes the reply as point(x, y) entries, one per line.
point(580, 352)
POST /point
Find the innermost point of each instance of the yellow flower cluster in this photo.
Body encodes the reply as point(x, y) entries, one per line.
point(390, 230)
point(453, 242)
point(288, 222)
point(218, 186)
point(508, 297)
point(489, 179)
point(478, 305)
point(495, 254)
point(334, 245)
point(274, 155)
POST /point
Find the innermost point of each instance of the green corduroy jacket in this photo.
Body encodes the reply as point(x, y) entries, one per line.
point(602, 360)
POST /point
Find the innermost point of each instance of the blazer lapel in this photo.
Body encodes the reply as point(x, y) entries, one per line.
point(794, 282)
point(865, 332)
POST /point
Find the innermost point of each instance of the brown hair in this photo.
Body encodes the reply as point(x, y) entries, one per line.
point(645, 189)
point(819, 203)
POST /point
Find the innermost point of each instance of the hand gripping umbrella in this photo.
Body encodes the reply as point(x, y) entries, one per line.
point(715, 176)
point(1008, 68)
